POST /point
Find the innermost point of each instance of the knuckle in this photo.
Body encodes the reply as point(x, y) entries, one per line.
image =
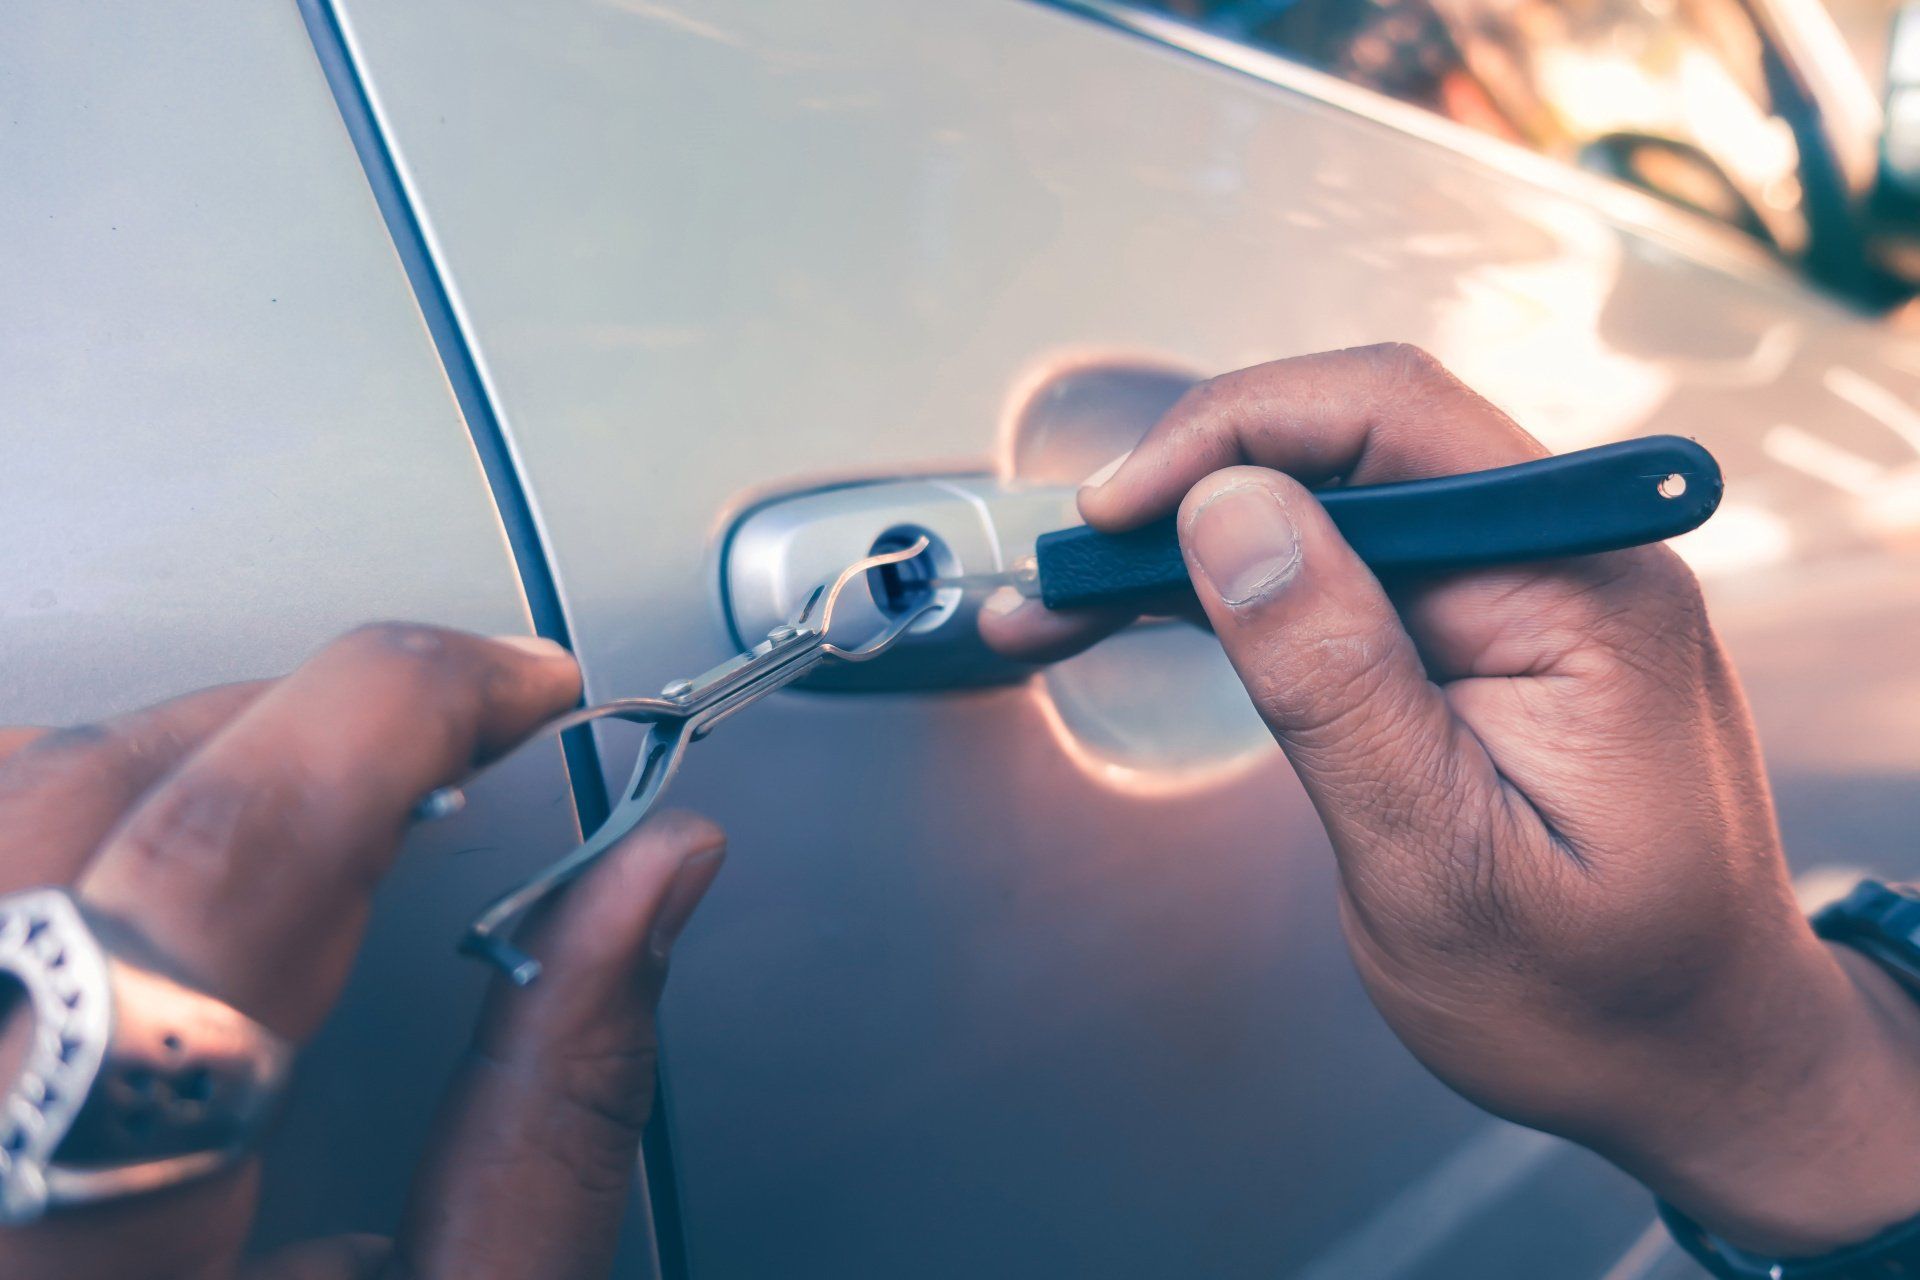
point(98, 751)
point(1405, 361)
point(1671, 587)
point(579, 1110)
point(1647, 589)
point(1218, 401)
point(389, 642)
point(1200, 406)
point(613, 1087)
point(191, 829)
point(1218, 387)
point(1647, 616)
point(610, 1096)
point(1349, 695)
point(76, 739)
point(428, 664)
point(447, 683)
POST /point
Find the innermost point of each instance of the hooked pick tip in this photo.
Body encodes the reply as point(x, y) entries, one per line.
point(898, 555)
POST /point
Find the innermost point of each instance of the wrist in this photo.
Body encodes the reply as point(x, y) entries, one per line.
point(1804, 1136)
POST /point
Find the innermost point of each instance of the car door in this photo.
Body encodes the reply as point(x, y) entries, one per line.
point(1044, 978)
point(228, 437)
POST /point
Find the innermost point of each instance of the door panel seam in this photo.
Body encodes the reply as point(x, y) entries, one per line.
point(473, 392)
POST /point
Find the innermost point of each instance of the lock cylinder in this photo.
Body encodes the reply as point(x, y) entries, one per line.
point(975, 526)
point(907, 586)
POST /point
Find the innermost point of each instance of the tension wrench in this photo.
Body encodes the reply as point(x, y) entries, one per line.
point(684, 712)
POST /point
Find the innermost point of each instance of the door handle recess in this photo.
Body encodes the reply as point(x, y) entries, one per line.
point(978, 529)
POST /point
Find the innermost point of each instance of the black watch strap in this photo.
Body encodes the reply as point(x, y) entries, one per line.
point(1892, 1254)
point(1882, 921)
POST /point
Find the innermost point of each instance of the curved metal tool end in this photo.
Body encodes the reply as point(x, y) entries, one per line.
point(858, 569)
point(882, 642)
point(632, 710)
point(521, 969)
point(486, 937)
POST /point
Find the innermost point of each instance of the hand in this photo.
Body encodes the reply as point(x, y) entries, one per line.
point(242, 830)
point(1560, 875)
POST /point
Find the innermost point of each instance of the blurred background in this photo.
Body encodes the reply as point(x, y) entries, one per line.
point(1766, 115)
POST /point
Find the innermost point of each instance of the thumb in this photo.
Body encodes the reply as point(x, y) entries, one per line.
point(1400, 783)
point(536, 1145)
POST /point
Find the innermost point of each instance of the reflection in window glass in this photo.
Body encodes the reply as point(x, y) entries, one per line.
point(1670, 95)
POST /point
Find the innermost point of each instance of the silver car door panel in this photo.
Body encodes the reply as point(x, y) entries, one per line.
point(1046, 980)
point(227, 438)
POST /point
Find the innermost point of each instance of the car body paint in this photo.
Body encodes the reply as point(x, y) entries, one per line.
point(228, 438)
point(978, 992)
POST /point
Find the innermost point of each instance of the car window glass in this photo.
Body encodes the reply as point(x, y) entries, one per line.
point(1672, 96)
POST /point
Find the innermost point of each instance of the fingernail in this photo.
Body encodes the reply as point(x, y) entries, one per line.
point(682, 896)
point(1105, 473)
point(534, 646)
point(1003, 602)
point(1245, 543)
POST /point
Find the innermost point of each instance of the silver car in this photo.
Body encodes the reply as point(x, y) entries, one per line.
point(617, 319)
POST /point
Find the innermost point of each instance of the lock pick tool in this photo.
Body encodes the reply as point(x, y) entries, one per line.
point(684, 712)
point(1601, 499)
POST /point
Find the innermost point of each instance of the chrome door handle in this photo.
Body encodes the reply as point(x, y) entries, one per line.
point(975, 526)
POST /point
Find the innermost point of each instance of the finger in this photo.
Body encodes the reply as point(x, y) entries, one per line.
point(12, 739)
point(1373, 415)
point(1365, 415)
point(1025, 630)
point(251, 865)
point(194, 1230)
point(535, 1148)
point(1407, 793)
point(63, 790)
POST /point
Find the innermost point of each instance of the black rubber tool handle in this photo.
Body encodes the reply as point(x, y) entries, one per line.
point(1618, 495)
